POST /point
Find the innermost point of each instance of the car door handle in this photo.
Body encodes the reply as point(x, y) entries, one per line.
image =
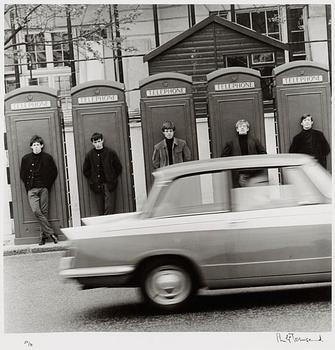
point(238, 222)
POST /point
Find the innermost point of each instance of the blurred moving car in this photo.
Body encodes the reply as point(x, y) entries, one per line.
point(232, 222)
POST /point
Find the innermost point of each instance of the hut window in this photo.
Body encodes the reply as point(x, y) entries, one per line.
point(237, 61)
point(260, 58)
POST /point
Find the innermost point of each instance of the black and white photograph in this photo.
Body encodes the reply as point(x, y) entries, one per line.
point(167, 175)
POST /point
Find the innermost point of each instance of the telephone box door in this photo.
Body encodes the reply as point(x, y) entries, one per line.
point(99, 106)
point(302, 87)
point(234, 93)
point(34, 111)
point(166, 97)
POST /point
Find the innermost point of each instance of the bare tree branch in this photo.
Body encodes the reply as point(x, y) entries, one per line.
point(25, 20)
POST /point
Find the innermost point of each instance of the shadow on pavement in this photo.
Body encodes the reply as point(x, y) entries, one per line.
point(217, 302)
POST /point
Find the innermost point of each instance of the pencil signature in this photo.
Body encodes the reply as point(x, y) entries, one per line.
point(292, 338)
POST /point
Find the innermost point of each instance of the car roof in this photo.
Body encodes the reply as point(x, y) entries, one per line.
point(225, 163)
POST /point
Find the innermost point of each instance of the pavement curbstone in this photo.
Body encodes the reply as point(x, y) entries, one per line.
point(34, 248)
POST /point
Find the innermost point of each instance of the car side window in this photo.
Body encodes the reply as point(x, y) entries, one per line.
point(267, 188)
point(194, 194)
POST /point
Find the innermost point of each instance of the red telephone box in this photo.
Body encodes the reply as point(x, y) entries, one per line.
point(234, 93)
point(166, 96)
point(34, 111)
point(302, 87)
point(100, 106)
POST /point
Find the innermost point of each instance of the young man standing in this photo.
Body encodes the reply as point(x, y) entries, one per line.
point(102, 168)
point(38, 172)
point(242, 143)
point(310, 141)
point(170, 150)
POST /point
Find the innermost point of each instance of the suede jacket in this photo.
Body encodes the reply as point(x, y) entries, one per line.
point(180, 153)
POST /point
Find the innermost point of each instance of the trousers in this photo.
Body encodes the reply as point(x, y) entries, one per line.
point(38, 199)
point(105, 201)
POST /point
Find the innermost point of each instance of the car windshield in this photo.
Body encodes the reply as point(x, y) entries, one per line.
point(195, 194)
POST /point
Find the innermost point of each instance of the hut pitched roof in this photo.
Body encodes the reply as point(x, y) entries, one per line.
point(221, 21)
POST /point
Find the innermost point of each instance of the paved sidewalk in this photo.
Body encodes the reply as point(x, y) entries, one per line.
point(11, 249)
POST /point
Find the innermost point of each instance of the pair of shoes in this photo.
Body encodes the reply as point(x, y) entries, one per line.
point(54, 238)
point(42, 241)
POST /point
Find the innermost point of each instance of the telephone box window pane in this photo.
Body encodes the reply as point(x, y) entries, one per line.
point(237, 61)
point(258, 22)
point(243, 19)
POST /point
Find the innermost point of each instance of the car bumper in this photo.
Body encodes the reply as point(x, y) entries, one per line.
point(95, 277)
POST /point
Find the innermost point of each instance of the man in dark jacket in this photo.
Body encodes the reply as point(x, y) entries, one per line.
point(242, 143)
point(38, 171)
point(102, 168)
point(310, 141)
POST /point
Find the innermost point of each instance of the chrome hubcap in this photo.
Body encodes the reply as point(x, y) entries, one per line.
point(167, 285)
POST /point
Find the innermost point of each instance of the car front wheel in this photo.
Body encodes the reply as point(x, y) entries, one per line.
point(167, 286)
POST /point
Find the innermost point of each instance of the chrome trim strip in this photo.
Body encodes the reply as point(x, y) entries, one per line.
point(268, 261)
point(97, 271)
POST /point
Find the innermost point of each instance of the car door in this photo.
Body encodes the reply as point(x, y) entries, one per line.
point(275, 233)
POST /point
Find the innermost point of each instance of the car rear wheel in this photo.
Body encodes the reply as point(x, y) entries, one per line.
point(167, 286)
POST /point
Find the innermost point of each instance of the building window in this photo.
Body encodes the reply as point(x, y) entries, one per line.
point(10, 84)
point(264, 62)
point(35, 49)
point(296, 34)
point(220, 13)
point(40, 81)
point(261, 21)
point(60, 49)
point(93, 35)
point(266, 81)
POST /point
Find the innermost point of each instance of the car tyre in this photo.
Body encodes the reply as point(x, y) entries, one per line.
point(167, 285)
